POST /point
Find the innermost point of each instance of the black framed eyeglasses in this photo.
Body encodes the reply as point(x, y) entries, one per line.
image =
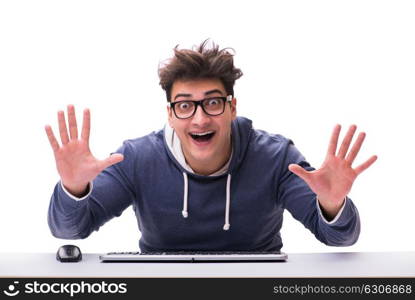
point(212, 106)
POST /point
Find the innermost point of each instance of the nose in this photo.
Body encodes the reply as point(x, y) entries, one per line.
point(200, 118)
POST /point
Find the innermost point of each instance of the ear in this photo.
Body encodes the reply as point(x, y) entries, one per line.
point(170, 116)
point(233, 108)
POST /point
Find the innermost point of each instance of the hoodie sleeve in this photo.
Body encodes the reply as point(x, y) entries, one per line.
point(301, 202)
point(111, 194)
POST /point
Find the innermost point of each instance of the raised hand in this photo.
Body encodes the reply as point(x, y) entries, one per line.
point(75, 163)
point(334, 180)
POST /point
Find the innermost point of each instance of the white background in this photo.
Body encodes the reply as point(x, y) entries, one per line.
point(307, 66)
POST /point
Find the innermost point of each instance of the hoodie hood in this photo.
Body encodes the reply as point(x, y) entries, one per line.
point(240, 133)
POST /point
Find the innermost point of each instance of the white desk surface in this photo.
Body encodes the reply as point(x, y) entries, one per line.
point(347, 264)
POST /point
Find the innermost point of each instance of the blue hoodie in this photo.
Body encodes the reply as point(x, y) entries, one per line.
point(179, 210)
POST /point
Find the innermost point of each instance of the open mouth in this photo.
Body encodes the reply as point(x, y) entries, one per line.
point(202, 136)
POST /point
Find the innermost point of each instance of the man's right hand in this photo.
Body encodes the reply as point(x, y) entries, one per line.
point(75, 163)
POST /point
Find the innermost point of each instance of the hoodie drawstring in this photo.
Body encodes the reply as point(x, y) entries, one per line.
point(228, 200)
point(184, 211)
point(228, 203)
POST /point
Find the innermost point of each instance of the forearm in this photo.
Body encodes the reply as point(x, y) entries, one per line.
point(72, 218)
point(67, 217)
point(343, 229)
point(330, 208)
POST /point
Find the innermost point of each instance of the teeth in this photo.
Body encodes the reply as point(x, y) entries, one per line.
point(201, 133)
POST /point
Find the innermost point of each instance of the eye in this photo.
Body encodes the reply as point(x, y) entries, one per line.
point(184, 105)
point(213, 102)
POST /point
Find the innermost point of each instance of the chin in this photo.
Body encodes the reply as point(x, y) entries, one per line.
point(202, 156)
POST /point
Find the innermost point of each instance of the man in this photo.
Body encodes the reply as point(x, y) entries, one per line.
point(208, 180)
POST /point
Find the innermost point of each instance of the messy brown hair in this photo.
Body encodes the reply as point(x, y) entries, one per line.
point(200, 62)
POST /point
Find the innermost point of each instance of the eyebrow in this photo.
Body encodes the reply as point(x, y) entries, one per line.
point(213, 91)
point(206, 93)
